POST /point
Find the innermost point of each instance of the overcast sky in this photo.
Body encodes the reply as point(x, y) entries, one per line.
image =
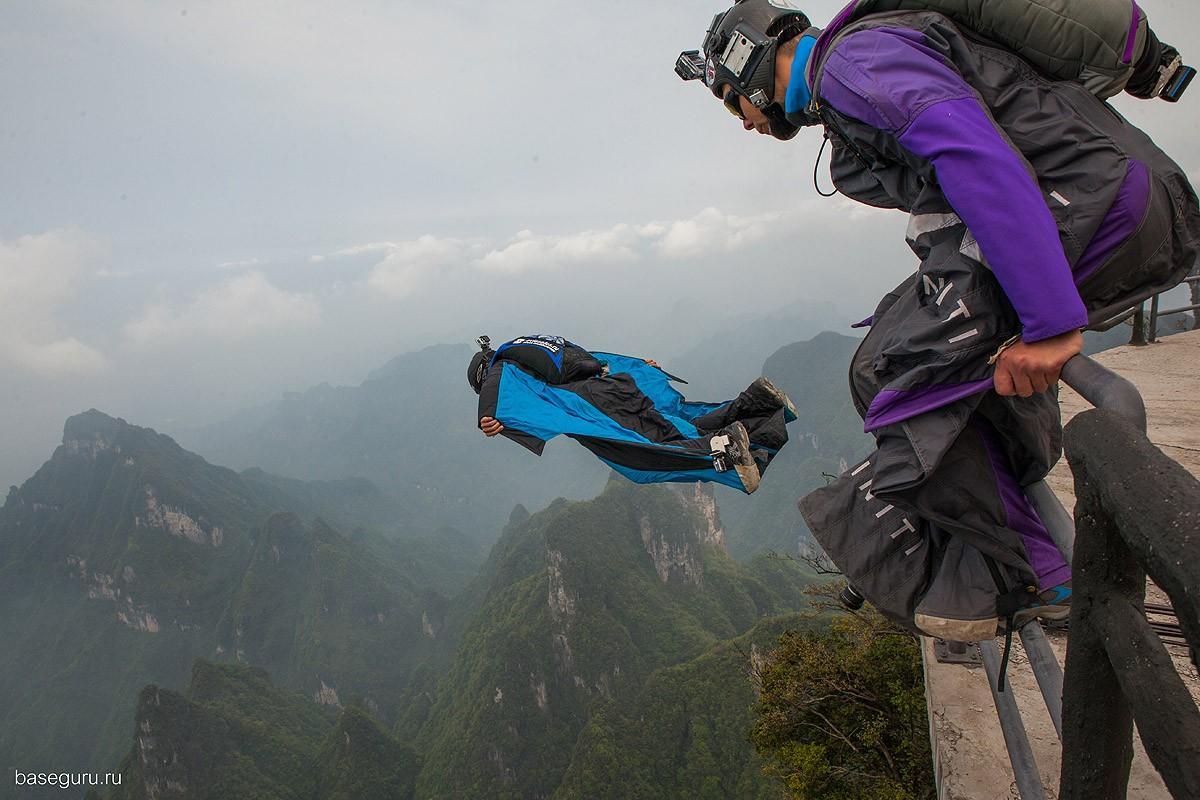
point(209, 203)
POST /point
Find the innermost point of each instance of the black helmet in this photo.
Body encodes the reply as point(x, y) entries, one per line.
point(479, 363)
point(739, 52)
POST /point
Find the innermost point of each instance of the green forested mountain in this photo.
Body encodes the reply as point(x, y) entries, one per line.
point(827, 436)
point(720, 365)
point(410, 428)
point(685, 732)
point(329, 617)
point(234, 734)
point(125, 557)
point(600, 638)
point(611, 653)
point(586, 602)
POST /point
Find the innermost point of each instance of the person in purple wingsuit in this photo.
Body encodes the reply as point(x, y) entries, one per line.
point(1035, 210)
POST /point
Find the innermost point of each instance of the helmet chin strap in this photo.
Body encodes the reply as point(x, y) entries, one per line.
point(781, 125)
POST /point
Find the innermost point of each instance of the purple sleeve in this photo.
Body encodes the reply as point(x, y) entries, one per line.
point(893, 80)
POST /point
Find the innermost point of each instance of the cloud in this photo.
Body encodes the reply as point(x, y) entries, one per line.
point(245, 263)
point(356, 250)
point(59, 358)
point(409, 266)
point(712, 231)
point(529, 251)
point(236, 309)
point(40, 275)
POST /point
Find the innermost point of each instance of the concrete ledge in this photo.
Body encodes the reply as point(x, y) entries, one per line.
point(970, 759)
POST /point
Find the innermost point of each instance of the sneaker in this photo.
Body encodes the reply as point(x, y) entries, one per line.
point(1052, 604)
point(762, 395)
point(731, 449)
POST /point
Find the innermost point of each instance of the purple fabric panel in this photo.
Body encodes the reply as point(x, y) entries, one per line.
point(1131, 40)
point(987, 184)
point(1047, 562)
point(886, 77)
point(896, 405)
point(864, 323)
point(831, 30)
point(893, 81)
point(1122, 219)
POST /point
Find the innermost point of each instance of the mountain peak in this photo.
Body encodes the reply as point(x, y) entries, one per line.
point(92, 425)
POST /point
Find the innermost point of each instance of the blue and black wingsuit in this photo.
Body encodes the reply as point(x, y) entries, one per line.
point(621, 408)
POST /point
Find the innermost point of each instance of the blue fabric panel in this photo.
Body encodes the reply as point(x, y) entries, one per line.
point(545, 411)
point(655, 384)
point(691, 410)
point(539, 409)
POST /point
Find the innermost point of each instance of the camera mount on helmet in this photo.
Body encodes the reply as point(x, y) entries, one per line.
point(739, 52)
point(480, 362)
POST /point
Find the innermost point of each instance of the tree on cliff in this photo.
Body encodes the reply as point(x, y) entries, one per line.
point(841, 713)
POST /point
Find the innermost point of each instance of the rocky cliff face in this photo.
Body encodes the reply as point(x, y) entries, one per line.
point(125, 557)
point(585, 601)
point(679, 557)
point(233, 733)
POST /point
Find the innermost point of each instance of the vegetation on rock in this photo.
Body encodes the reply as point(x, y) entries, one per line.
point(842, 712)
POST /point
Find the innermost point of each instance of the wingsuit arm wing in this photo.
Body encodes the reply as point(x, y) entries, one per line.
point(895, 80)
point(489, 400)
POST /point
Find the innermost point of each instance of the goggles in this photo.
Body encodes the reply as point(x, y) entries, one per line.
point(733, 105)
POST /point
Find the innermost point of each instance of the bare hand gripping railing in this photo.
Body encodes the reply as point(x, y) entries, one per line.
point(1138, 511)
point(1121, 403)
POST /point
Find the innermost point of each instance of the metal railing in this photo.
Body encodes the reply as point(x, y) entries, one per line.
point(1118, 400)
point(1156, 314)
point(1145, 326)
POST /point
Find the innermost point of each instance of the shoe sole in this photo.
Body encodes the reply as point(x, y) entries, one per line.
point(777, 395)
point(746, 466)
point(1055, 613)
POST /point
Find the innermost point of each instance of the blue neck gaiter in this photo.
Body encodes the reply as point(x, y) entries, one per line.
point(798, 93)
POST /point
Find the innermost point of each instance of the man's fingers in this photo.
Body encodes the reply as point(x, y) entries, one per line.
point(1004, 382)
point(1040, 381)
point(1022, 385)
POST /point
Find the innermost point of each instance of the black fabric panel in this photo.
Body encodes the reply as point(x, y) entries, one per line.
point(528, 441)
point(649, 457)
point(536, 355)
point(534, 359)
point(716, 419)
point(767, 431)
point(579, 364)
point(620, 399)
point(489, 393)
